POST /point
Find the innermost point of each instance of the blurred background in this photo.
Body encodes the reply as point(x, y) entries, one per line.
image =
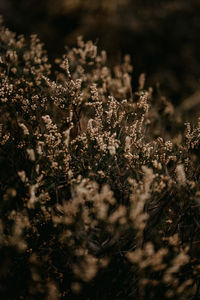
point(162, 36)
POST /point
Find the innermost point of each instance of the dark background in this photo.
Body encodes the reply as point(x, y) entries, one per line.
point(161, 36)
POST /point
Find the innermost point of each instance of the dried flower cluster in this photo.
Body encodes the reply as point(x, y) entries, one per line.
point(98, 201)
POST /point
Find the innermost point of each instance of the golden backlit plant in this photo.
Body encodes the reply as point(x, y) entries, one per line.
point(99, 199)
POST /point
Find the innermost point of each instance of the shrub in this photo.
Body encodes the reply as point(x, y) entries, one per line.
point(99, 199)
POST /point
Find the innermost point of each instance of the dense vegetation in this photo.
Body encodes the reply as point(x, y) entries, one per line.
point(99, 183)
point(162, 36)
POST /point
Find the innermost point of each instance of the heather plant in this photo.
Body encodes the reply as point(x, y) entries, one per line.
point(154, 32)
point(99, 199)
